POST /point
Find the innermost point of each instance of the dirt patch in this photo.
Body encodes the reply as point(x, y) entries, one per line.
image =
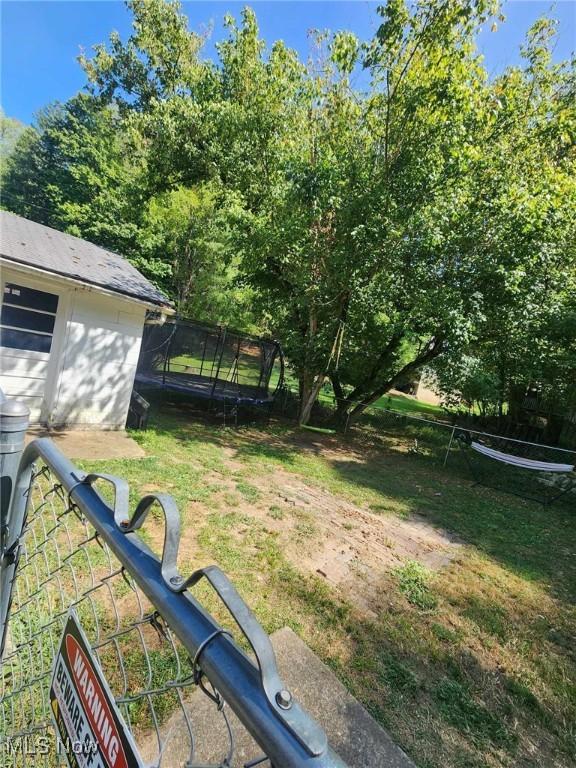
point(353, 548)
point(350, 547)
point(91, 444)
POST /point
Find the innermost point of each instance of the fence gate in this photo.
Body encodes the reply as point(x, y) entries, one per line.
point(71, 549)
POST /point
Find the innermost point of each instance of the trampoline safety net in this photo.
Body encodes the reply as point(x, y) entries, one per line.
point(211, 362)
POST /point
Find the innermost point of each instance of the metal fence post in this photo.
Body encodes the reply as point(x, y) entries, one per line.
point(14, 421)
point(449, 446)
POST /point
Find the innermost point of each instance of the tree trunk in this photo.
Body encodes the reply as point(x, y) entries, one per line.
point(337, 386)
point(431, 350)
point(515, 400)
point(313, 384)
point(309, 396)
point(341, 414)
point(554, 427)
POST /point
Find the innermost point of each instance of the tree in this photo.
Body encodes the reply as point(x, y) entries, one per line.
point(10, 131)
point(77, 171)
point(188, 229)
point(376, 229)
point(524, 210)
point(351, 241)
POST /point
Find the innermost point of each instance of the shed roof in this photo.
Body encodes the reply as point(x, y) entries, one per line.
point(27, 242)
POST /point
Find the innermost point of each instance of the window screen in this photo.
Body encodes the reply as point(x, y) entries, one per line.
point(27, 318)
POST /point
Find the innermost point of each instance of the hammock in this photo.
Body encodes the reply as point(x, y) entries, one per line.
point(517, 461)
point(544, 488)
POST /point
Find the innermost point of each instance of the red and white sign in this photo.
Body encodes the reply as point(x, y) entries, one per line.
point(88, 722)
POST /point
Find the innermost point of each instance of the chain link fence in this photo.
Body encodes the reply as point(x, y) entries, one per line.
point(63, 564)
point(69, 542)
point(403, 432)
point(447, 444)
point(514, 466)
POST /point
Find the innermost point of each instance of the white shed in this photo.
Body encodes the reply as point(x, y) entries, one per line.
point(71, 323)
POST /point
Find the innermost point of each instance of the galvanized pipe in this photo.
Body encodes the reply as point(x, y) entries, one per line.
point(14, 421)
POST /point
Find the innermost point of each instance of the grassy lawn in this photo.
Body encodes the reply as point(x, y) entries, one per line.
point(248, 368)
point(398, 402)
point(470, 665)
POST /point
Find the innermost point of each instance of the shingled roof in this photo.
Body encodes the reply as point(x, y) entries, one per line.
point(25, 242)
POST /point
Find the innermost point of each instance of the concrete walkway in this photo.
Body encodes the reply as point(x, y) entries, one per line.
point(351, 731)
point(91, 444)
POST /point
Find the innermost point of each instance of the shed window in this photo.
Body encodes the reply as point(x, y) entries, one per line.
point(27, 318)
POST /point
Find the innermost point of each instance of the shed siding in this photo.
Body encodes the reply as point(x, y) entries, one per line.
point(87, 378)
point(101, 351)
point(26, 374)
point(24, 378)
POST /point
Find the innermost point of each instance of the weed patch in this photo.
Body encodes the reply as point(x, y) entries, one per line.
point(413, 581)
point(248, 492)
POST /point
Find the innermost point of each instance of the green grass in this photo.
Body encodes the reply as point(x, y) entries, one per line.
point(276, 512)
point(413, 580)
point(458, 708)
point(405, 404)
point(248, 370)
point(249, 492)
point(472, 665)
point(393, 401)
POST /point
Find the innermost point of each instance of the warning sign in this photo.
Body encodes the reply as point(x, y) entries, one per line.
point(88, 723)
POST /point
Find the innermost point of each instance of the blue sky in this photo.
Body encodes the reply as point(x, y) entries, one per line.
point(41, 39)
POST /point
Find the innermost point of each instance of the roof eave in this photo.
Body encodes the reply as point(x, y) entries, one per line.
point(149, 303)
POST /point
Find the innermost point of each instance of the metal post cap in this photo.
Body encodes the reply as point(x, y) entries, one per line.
point(13, 409)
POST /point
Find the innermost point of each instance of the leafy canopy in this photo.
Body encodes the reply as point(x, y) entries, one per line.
point(427, 215)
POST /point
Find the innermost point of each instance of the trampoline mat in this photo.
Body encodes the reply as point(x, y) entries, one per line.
point(201, 386)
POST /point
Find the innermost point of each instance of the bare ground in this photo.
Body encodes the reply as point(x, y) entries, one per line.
point(350, 546)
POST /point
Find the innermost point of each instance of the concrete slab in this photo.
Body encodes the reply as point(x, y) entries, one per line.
point(351, 731)
point(91, 444)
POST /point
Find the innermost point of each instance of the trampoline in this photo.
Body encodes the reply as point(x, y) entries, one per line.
point(213, 363)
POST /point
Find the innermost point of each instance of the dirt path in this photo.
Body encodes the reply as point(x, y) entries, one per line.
point(349, 546)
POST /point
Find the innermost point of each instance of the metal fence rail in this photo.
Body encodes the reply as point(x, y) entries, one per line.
point(445, 445)
point(65, 545)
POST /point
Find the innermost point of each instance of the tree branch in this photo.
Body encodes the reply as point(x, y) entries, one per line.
point(431, 350)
